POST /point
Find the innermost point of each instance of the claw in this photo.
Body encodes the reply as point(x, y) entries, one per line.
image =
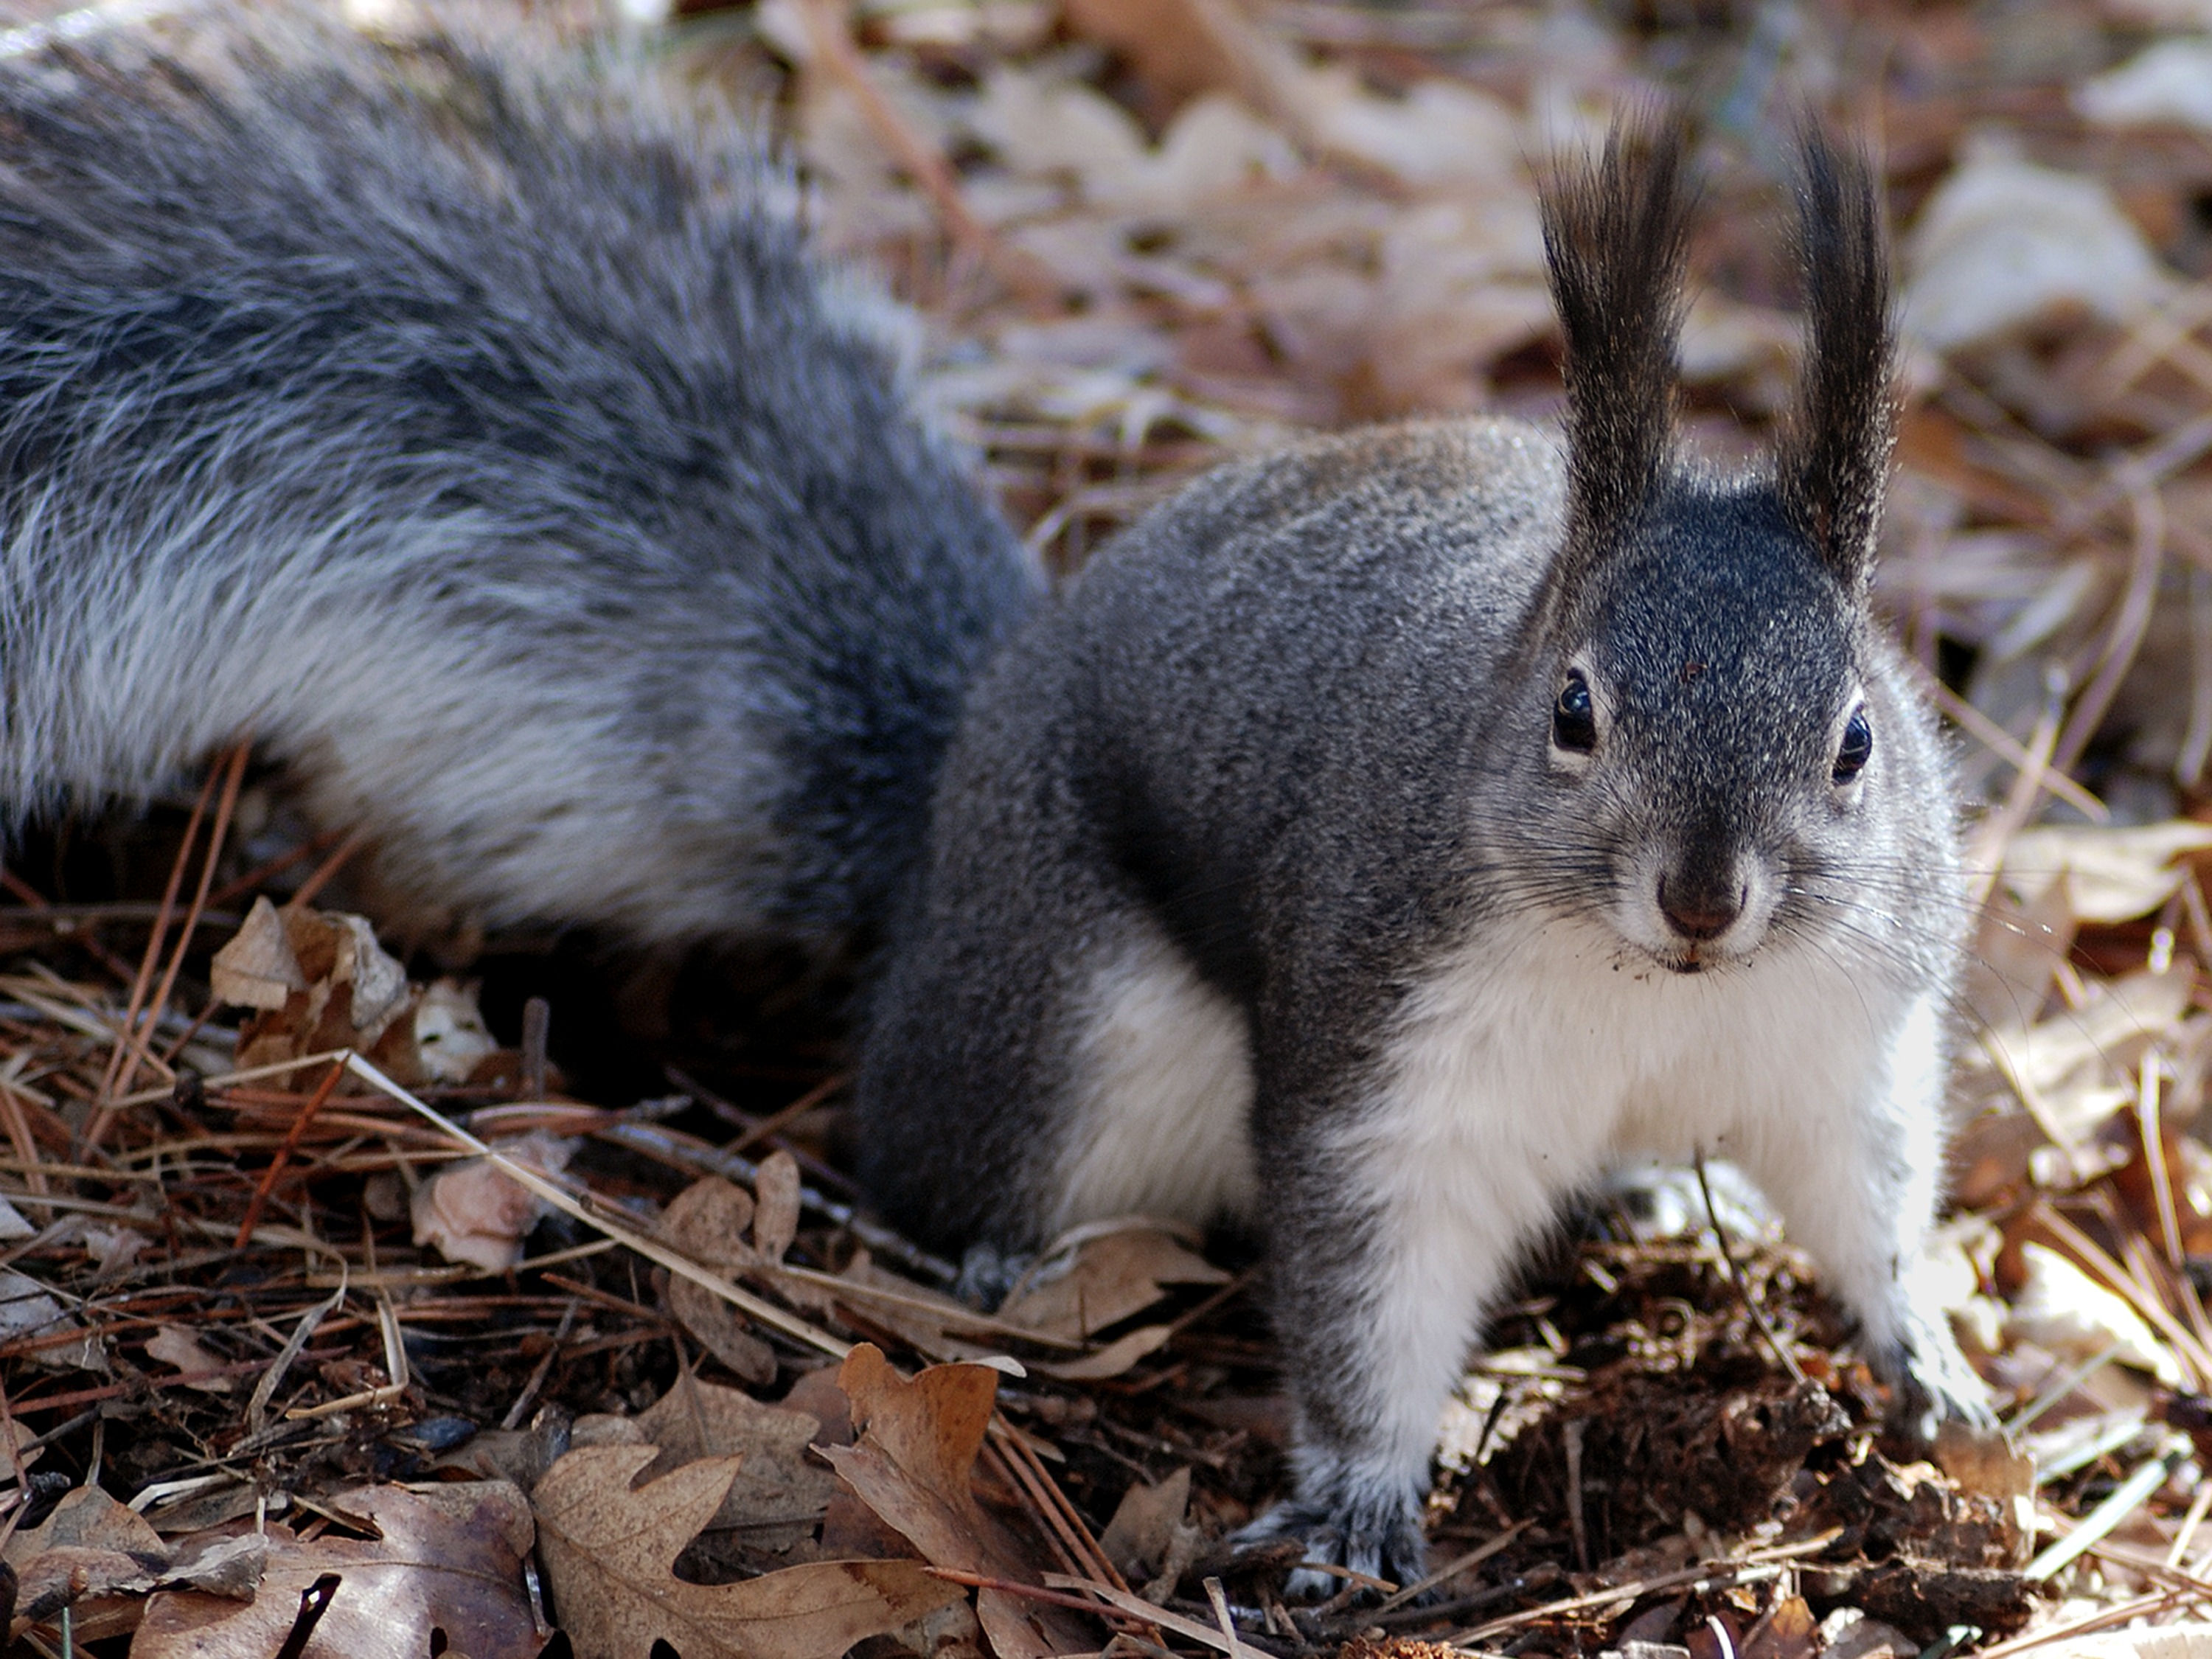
point(1366, 1540)
point(1934, 1384)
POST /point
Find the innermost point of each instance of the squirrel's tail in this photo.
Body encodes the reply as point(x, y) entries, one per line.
point(475, 432)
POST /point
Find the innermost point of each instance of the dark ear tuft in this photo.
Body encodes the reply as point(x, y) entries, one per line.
point(1832, 464)
point(1615, 233)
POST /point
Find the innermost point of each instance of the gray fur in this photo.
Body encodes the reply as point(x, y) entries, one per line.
point(477, 435)
point(1293, 734)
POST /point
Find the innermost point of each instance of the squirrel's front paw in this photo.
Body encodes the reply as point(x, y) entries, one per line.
point(988, 1274)
point(1379, 1539)
point(1932, 1383)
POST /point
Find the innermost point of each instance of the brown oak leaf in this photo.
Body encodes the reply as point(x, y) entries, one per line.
point(610, 1553)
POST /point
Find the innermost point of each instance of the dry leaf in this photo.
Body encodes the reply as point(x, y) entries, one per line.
point(1104, 1278)
point(609, 1551)
point(472, 1213)
point(90, 1546)
point(1115, 1358)
point(1136, 1539)
point(777, 1485)
point(451, 1038)
point(450, 1560)
point(1180, 48)
point(2002, 243)
point(912, 1466)
point(2112, 875)
point(2074, 1065)
point(28, 1309)
point(2065, 1312)
point(775, 1194)
point(2169, 85)
point(707, 1223)
point(173, 1345)
point(341, 990)
point(257, 969)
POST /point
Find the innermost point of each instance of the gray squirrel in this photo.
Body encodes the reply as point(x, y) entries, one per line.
point(1383, 838)
point(1376, 840)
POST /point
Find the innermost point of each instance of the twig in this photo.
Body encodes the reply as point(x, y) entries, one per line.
point(1707, 1575)
point(1220, 1605)
point(2118, 1613)
point(2124, 1501)
point(537, 1030)
point(1015, 1587)
point(267, 1184)
point(142, 981)
point(2010, 749)
point(276, 866)
point(2131, 620)
point(257, 1408)
point(831, 43)
point(1059, 1514)
point(329, 867)
point(1129, 1602)
point(1473, 1558)
point(535, 1181)
point(522, 1401)
point(771, 1127)
point(141, 1039)
point(1787, 1360)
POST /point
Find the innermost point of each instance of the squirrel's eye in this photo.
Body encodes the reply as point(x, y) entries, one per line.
point(1857, 744)
point(1574, 722)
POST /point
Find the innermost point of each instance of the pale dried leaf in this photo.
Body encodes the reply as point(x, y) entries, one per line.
point(1104, 1280)
point(471, 1213)
point(450, 1560)
point(1120, 1355)
point(776, 1483)
point(28, 1309)
point(708, 1222)
point(609, 1551)
point(1136, 1539)
point(2065, 1312)
point(1440, 132)
point(2003, 244)
point(257, 969)
point(775, 1194)
point(450, 1037)
point(2113, 874)
point(2074, 1065)
point(2167, 84)
point(379, 983)
point(173, 1345)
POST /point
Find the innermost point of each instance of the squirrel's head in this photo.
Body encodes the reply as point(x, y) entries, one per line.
point(1716, 727)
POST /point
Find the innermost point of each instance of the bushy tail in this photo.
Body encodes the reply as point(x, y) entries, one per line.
point(474, 430)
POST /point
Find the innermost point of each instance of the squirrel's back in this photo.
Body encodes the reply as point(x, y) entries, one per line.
point(477, 435)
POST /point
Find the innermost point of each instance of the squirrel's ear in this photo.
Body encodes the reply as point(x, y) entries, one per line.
point(1832, 464)
point(1615, 232)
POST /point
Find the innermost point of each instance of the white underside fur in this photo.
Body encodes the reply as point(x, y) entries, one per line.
point(1520, 1074)
point(1163, 1096)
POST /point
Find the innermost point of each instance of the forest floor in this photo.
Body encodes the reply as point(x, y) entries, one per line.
point(337, 1307)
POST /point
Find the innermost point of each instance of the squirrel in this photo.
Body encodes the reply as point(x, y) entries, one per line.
point(1374, 842)
point(1382, 839)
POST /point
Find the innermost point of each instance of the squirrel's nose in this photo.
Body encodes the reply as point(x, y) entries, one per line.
point(1696, 911)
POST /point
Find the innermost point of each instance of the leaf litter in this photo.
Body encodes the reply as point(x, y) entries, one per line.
point(324, 1314)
